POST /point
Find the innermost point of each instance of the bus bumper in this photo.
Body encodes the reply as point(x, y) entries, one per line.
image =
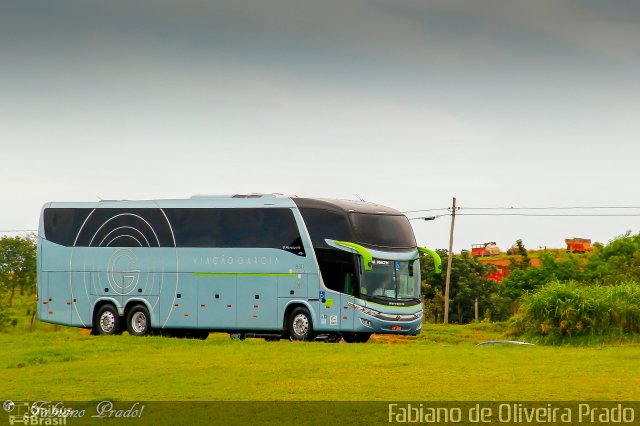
point(404, 323)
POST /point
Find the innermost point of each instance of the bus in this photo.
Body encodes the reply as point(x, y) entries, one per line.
point(259, 265)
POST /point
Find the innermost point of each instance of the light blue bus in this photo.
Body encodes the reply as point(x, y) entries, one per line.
point(251, 265)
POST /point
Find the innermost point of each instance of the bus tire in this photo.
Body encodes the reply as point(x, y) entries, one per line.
point(356, 337)
point(139, 321)
point(300, 325)
point(107, 320)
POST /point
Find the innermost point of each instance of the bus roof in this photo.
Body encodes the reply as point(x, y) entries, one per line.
point(239, 201)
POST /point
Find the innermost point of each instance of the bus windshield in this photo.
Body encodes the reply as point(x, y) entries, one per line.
point(391, 280)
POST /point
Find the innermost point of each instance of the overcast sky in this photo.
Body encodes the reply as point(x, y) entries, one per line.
point(405, 103)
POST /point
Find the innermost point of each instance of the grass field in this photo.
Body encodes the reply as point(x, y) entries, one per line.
point(441, 364)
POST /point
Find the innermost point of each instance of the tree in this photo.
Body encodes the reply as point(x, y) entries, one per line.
point(522, 262)
point(18, 265)
point(616, 262)
point(521, 281)
point(468, 284)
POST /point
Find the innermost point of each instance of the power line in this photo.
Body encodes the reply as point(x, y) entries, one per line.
point(554, 208)
point(529, 208)
point(17, 231)
point(427, 218)
point(426, 210)
point(551, 215)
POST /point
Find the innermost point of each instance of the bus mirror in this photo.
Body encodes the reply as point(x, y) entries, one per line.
point(437, 262)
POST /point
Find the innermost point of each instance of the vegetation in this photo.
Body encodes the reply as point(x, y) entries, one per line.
point(468, 283)
point(567, 297)
point(17, 265)
point(17, 272)
point(442, 364)
point(570, 309)
point(611, 264)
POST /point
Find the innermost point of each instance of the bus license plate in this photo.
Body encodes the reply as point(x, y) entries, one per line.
point(396, 327)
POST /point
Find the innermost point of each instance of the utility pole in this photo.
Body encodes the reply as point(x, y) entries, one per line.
point(475, 306)
point(449, 259)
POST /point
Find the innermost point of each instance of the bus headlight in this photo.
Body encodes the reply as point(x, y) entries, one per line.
point(366, 322)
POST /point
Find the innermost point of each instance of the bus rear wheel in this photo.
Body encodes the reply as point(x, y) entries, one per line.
point(300, 326)
point(107, 321)
point(139, 321)
point(356, 337)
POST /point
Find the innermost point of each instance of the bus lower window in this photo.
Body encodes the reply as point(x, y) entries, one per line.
point(338, 270)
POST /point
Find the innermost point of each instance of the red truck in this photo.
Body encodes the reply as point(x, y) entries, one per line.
point(578, 245)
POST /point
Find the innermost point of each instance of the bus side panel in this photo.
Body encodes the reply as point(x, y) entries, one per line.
point(330, 311)
point(104, 284)
point(181, 306)
point(54, 257)
point(216, 302)
point(59, 306)
point(328, 305)
point(257, 303)
point(43, 295)
point(292, 286)
point(81, 303)
point(347, 313)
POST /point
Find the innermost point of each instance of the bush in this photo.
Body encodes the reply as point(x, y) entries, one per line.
point(559, 310)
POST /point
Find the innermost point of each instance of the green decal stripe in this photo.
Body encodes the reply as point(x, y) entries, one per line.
point(239, 274)
point(366, 255)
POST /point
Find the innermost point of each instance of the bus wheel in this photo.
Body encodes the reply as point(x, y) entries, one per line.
point(356, 337)
point(139, 321)
point(300, 325)
point(107, 320)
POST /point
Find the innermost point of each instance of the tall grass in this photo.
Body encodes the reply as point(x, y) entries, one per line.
point(560, 310)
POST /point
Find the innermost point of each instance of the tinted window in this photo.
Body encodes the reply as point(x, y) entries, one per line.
point(106, 227)
point(338, 269)
point(323, 224)
point(259, 228)
point(383, 230)
point(61, 225)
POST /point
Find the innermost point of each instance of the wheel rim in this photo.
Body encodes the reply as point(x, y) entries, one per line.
point(139, 322)
point(300, 324)
point(107, 321)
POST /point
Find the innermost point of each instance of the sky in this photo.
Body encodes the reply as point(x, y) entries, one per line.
point(406, 103)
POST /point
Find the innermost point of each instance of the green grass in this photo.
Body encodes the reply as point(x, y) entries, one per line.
point(441, 364)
